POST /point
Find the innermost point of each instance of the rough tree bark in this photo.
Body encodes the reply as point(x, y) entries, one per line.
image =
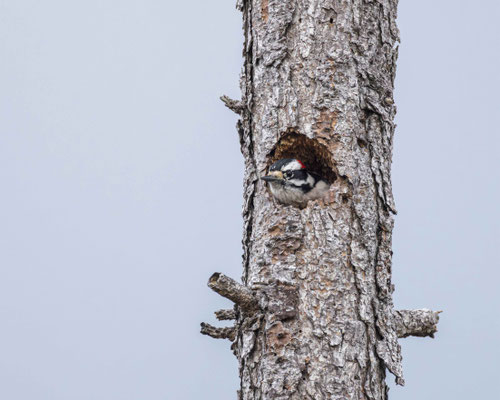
point(314, 317)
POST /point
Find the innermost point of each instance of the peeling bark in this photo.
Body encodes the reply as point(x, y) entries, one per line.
point(315, 316)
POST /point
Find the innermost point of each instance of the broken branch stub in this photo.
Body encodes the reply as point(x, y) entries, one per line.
point(420, 322)
point(225, 315)
point(218, 333)
point(234, 105)
point(234, 291)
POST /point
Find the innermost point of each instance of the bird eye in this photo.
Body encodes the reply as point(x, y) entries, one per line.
point(287, 174)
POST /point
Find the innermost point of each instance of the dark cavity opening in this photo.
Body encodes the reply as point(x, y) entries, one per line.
point(362, 143)
point(310, 152)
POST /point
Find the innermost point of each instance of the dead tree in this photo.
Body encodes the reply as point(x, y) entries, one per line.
point(314, 317)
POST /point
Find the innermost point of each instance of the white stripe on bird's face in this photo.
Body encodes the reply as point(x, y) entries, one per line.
point(297, 182)
point(292, 166)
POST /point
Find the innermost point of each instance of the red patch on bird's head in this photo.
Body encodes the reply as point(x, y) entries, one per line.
point(301, 164)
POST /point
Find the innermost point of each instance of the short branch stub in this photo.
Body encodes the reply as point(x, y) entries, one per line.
point(234, 291)
point(225, 315)
point(234, 105)
point(218, 333)
point(421, 322)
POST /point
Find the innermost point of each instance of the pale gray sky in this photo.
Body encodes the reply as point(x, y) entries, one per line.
point(109, 121)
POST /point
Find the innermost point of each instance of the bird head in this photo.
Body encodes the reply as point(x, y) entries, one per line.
point(285, 170)
point(291, 183)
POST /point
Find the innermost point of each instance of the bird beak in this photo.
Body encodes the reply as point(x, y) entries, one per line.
point(270, 178)
point(275, 176)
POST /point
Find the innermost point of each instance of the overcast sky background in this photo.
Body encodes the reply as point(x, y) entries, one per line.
point(121, 192)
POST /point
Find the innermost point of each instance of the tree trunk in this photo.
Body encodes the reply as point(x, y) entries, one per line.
point(315, 318)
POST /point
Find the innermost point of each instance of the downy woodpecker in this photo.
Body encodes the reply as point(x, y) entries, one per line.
point(291, 183)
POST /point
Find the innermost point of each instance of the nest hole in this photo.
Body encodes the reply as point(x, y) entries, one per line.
point(310, 152)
